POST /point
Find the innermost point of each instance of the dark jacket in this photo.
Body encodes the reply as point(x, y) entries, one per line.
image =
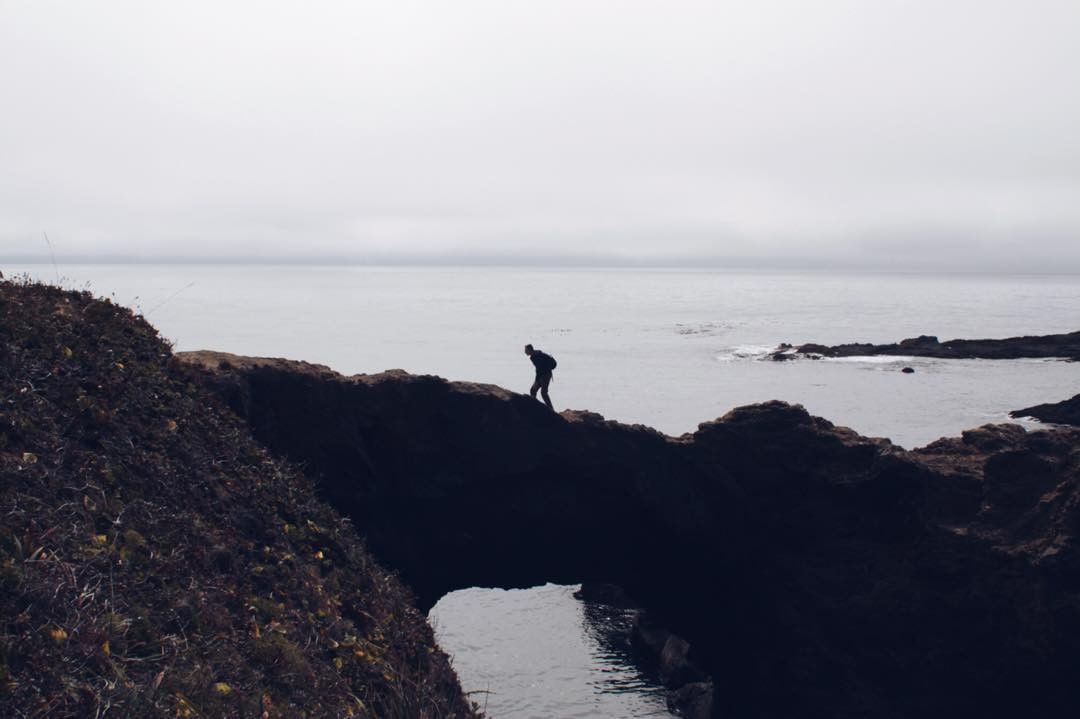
point(543, 362)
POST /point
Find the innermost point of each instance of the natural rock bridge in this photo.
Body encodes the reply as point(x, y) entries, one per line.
point(816, 572)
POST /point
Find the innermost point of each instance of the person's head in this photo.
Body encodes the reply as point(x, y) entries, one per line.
point(529, 349)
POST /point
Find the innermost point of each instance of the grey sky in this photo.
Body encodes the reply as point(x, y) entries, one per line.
point(912, 134)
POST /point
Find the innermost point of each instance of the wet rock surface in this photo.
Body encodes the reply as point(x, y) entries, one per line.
point(811, 571)
point(1063, 346)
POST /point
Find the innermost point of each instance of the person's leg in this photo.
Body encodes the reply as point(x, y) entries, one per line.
point(534, 388)
point(544, 382)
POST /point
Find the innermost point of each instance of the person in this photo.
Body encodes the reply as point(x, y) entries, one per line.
point(545, 365)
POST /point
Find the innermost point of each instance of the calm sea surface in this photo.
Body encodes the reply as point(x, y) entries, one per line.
point(667, 348)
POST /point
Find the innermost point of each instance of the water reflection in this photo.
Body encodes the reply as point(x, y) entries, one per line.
point(541, 653)
point(619, 665)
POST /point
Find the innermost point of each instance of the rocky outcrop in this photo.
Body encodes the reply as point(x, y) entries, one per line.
point(1065, 412)
point(155, 561)
point(811, 571)
point(1063, 346)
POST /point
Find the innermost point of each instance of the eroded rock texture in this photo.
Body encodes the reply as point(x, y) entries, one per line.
point(815, 572)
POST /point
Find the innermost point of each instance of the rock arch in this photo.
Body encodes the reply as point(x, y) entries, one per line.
point(815, 571)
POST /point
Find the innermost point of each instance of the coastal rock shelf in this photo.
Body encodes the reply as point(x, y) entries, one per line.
point(812, 571)
point(1063, 346)
point(1065, 412)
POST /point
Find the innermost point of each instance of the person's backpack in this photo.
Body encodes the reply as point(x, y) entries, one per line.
point(547, 362)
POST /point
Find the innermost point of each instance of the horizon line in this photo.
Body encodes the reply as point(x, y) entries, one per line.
point(702, 262)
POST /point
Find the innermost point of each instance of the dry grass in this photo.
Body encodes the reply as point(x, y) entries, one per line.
point(155, 561)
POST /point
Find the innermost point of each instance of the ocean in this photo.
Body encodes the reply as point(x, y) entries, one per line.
point(669, 348)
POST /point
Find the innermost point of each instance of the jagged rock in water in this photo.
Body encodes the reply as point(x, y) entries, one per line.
point(1064, 412)
point(1063, 346)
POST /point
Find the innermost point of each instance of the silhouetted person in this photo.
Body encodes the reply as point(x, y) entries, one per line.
point(545, 365)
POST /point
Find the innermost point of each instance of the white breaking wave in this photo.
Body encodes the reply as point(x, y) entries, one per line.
point(745, 352)
point(876, 359)
point(761, 352)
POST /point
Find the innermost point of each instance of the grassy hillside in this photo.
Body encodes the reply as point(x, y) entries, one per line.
point(155, 561)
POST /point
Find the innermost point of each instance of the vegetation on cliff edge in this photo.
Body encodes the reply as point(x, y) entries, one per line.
point(156, 561)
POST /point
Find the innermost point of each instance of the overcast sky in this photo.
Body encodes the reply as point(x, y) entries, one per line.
point(920, 133)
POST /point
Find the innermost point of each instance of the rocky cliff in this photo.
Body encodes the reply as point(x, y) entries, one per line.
point(814, 572)
point(155, 561)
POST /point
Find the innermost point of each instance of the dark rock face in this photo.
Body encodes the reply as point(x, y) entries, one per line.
point(1066, 412)
point(813, 572)
point(1063, 346)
